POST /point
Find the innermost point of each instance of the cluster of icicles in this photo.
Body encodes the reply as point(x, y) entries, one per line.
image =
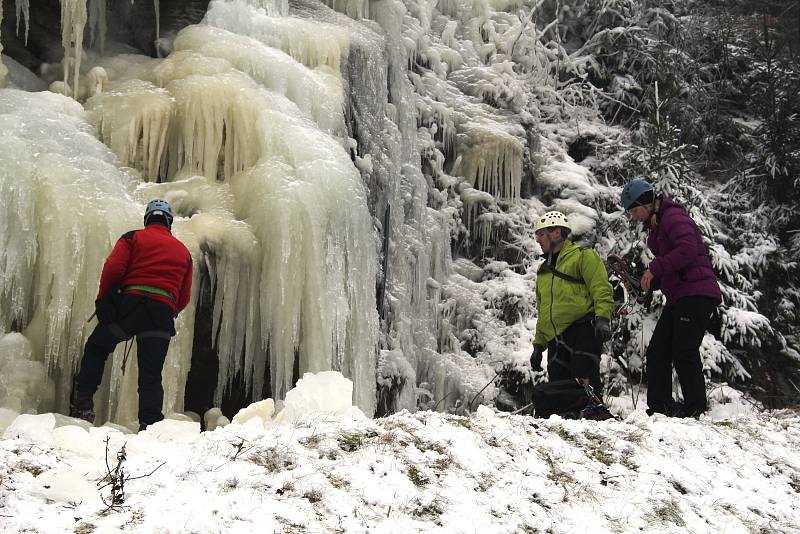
point(243, 126)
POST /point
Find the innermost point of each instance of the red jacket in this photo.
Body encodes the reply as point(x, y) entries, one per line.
point(151, 257)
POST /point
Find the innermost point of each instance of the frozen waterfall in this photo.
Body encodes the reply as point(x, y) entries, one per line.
point(271, 206)
point(325, 160)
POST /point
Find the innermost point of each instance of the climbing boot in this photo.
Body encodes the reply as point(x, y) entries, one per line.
point(82, 407)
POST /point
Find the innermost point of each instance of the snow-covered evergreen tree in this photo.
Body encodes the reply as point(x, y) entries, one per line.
point(668, 91)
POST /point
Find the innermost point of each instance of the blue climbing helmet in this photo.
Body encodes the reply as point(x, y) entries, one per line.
point(633, 191)
point(158, 207)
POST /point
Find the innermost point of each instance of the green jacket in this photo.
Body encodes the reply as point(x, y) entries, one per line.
point(562, 302)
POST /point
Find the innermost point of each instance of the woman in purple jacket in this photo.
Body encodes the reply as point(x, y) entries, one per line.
point(682, 271)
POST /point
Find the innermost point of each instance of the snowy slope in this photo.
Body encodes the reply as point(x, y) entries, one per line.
point(422, 472)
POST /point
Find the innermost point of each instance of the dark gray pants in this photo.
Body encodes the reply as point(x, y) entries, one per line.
point(676, 342)
point(576, 354)
point(153, 325)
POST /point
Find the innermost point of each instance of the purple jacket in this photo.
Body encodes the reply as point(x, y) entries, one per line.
point(681, 266)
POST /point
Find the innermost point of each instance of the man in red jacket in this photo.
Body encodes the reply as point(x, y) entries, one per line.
point(150, 271)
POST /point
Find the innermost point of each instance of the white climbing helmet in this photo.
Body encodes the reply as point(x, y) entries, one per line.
point(550, 219)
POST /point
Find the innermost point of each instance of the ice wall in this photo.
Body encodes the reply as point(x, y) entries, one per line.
point(301, 194)
point(472, 156)
point(239, 134)
point(416, 131)
point(65, 202)
point(401, 119)
point(297, 141)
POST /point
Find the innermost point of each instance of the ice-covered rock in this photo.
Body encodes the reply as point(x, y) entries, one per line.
point(484, 412)
point(37, 428)
point(327, 392)
point(75, 439)
point(24, 384)
point(261, 411)
point(170, 430)
point(219, 421)
point(181, 417)
point(65, 485)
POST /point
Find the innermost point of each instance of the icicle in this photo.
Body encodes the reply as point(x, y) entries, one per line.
point(356, 9)
point(480, 10)
point(97, 23)
point(3, 68)
point(23, 11)
point(272, 7)
point(235, 313)
point(485, 230)
point(445, 120)
point(214, 122)
point(318, 93)
point(493, 161)
point(451, 8)
point(73, 20)
point(473, 199)
point(449, 34)
point(17, 232)
point(133, 119)
point(311, 43)
point(309, 209)
point(157, 7)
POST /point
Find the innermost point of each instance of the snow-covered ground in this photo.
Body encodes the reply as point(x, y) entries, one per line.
point(410, 472)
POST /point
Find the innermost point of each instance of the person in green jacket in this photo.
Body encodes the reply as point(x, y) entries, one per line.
point(575, 302)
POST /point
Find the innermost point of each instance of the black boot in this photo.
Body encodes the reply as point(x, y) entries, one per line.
point(668, 408)
point(82, 406)
point(597, 413)
point(689, 411)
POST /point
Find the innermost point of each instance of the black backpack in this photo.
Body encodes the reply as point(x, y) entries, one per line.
point(107, 307)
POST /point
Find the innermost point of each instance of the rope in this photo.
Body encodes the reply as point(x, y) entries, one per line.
point(515, 412)
point(481, 391)
point(440, 400)
point(127, 352)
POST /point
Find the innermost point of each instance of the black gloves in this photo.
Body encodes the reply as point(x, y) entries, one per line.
point(602, 329)
point(536, 357)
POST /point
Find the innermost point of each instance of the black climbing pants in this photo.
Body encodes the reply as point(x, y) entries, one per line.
point(153, 325)
point(676, 342)
point(576, 354)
